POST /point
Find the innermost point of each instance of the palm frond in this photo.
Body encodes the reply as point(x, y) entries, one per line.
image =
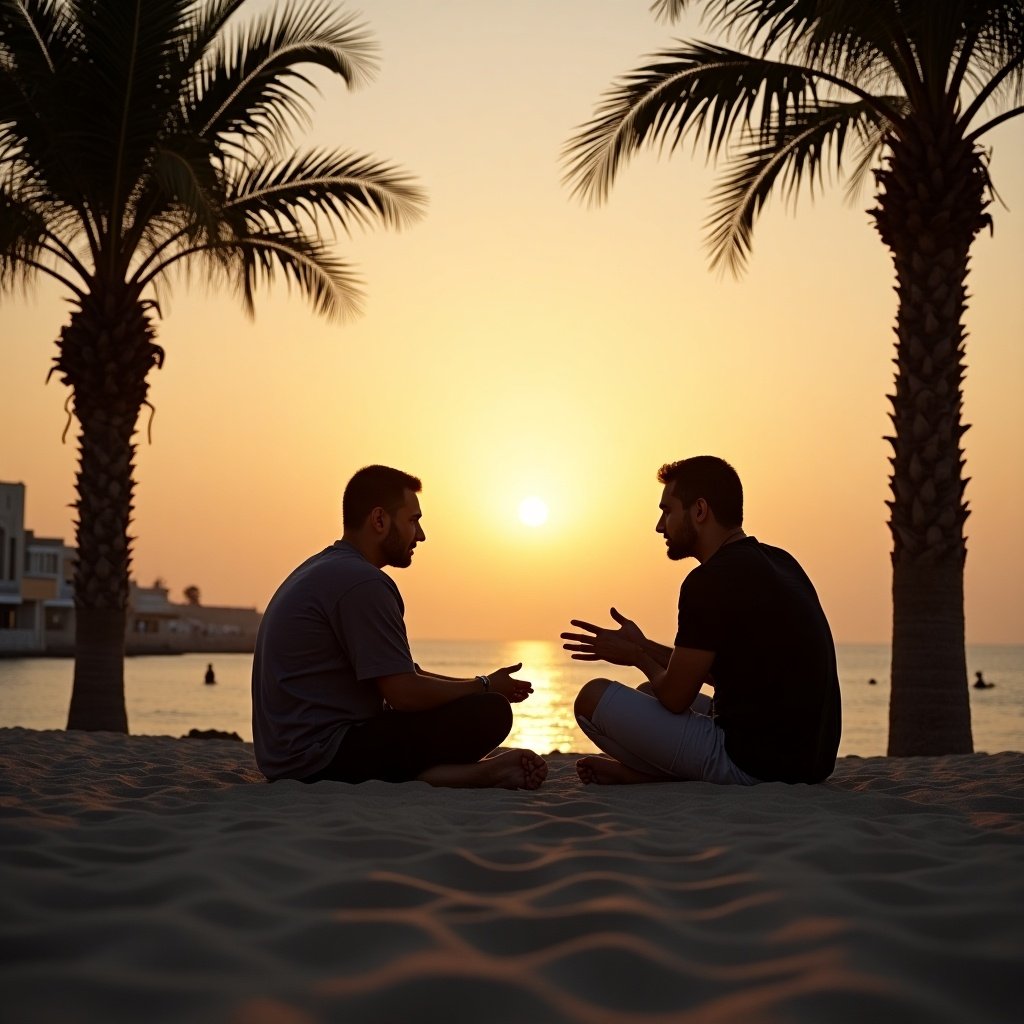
point(669, 10)
point(182, 177)
point(1001, 33)
point(30, 201)
point(345, 189)
point(1002, 80)
point(794, 154)
point(249, 86)
point(123, 94)
point(696, 88)
point(991, 37)
point(873, 135)
point(28, 244)
point(849, 39)
point(203, 27)
point(22, 231)
point(143, 127)
point(330, 285)
point(38, 48)
point(205, 22)
point(28, 30)
point(866, 43)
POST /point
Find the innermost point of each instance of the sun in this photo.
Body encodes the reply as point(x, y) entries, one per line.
point(533, 511)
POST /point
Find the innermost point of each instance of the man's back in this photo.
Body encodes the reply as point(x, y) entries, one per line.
point(776, 684)
point(333, 626)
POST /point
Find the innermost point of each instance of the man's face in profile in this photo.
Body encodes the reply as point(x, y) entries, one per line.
point(404, 532)
point(676, 526)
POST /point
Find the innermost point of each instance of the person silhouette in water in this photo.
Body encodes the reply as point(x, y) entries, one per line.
point(209, 678)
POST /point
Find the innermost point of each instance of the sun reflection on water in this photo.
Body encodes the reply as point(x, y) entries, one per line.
point(545, 722)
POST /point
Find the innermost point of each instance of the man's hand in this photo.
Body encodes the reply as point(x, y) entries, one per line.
point(622, 646)
point(515, 690)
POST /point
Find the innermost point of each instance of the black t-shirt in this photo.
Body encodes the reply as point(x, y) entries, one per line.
point(776, 684)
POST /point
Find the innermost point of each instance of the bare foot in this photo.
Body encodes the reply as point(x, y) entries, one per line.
point(604, 771)
point(533, 767)
point(511, 769)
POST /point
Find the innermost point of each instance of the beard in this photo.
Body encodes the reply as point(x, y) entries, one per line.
point(398, 555)
point(685, 544)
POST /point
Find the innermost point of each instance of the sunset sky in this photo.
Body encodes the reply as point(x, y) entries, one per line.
point(516, 343)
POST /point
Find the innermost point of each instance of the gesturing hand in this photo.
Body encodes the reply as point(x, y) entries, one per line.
point(620, 646)
point(515, 690)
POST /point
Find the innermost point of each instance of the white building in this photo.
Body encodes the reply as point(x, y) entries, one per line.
point(12, 554)
point(37, 606)
point(36, 584)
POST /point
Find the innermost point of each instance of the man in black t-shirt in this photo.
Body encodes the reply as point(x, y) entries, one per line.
point(751, 628)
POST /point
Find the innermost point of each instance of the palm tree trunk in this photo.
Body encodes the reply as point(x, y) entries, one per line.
point(97, 693)
point(931, 206)
point(104, 355)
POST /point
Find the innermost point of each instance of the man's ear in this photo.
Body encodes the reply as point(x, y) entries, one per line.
point(701, 510)
point(379, 519)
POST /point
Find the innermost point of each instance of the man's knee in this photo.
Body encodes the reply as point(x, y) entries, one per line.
point(590, 696)
point(495, 712)
point(466, 729)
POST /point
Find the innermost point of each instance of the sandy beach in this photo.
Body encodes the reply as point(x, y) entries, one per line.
point(153, 879)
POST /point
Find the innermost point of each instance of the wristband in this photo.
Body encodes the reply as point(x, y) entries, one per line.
point(485, 681)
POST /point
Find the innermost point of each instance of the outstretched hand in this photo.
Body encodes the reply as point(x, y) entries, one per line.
point(515, 690)
point(620, 646)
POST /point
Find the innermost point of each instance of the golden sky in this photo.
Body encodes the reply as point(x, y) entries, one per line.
point(517, 343)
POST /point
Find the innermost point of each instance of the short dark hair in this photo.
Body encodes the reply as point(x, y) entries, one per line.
point(710, 478)
point(371, 487)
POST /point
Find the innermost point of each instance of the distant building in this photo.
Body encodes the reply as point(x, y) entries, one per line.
point(37, 606)
point(158, 625)
point(37, 598)
point(12, 556)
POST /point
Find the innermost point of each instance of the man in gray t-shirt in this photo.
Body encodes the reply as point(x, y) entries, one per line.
point(332, 628)
point(335, 691)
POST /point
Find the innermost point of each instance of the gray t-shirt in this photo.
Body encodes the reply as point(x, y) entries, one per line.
point(333, 626)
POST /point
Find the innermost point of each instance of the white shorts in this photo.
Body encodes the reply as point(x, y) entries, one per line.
point(639, 731)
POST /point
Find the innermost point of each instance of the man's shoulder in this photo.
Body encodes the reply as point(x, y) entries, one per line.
point(341, 555)
point(744, 559)
point(338, 569)
point(730, 558)
point(756, 564)
point(348, 566)
point(780, 558)
point(748, 550)
point(773, 550)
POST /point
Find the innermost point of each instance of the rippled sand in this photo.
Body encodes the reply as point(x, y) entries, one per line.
point(147, 879)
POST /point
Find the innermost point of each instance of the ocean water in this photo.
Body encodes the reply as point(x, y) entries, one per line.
point(166, 695)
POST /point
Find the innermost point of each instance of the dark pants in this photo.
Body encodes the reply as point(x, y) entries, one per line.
point(400, 745)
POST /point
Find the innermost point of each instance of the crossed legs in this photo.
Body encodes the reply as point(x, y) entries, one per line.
point(645, 742)
point(445, 746)
point(605, 770)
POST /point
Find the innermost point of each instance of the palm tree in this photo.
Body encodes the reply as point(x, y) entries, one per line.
point(905, 89)
point(137, 138)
